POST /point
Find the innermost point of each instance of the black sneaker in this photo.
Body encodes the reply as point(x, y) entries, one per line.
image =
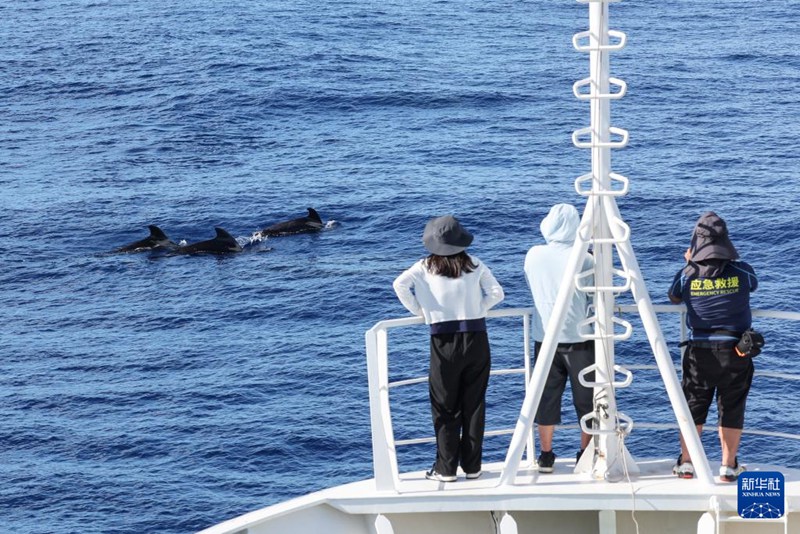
point(546, 461)
point(433, 475)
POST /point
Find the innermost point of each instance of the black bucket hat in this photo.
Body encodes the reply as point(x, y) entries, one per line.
point(444, 236)
point(710, 239)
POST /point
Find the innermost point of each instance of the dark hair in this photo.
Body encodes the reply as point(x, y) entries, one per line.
point(450, 266)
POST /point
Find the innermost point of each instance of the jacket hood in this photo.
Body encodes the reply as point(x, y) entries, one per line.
point(710, 239)
point(711, 248)
point(561, 224)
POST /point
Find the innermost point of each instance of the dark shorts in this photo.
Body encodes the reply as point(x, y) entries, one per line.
point(569, 360)
point(711, 368)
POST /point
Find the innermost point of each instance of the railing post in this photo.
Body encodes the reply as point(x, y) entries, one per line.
point(384, 455)
point(526, 340)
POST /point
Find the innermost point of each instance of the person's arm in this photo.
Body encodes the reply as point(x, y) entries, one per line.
point(675, 292)
point(753, 279)
point(403, 286)
point(588, 264)
point(750, 273)
point(493, 292)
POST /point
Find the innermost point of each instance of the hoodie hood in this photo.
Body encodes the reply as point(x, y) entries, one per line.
point(711, 248)
point(561, 224)
point(710, 239)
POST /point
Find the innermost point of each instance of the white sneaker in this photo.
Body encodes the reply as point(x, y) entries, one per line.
point(683, 469)
point(471, 476)
point(730, 474)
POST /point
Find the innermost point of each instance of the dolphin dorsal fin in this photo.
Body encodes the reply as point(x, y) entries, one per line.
point(157, 232)
point(227, 241)
point(222, 234)
point(313, 215)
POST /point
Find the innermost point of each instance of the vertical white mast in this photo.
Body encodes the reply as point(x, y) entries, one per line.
point(609, 431)
point(603, 229)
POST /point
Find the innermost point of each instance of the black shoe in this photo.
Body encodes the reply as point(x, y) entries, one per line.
point(433, 475)
point(546, 461)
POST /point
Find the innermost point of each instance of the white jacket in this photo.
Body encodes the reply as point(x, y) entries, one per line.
point(544, 269)
point(440, 298)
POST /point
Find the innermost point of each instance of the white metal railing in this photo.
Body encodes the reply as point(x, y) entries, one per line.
point(383, 441)
point(384, 444)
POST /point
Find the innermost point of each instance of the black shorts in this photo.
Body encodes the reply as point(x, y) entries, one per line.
point(569, 360)
point(714, 367)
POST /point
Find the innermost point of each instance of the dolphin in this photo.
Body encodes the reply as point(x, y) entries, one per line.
point(222, 243)
point(311, 223)
point(157, 239)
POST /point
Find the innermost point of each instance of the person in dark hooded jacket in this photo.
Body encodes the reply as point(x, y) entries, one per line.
point(716, 291)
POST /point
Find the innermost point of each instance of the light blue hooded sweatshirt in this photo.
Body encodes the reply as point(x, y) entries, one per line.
point(544, 269)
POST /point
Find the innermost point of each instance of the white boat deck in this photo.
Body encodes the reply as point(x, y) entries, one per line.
point(659, 501)
point(655, 488)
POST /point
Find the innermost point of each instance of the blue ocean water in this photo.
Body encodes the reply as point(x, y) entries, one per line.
point(144, 393)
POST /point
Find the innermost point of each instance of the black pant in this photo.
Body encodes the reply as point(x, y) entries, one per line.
point(713, 367)
point(568, 361)
point(459, 375)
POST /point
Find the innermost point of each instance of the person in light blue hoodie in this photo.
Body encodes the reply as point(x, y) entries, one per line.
point(544, 269)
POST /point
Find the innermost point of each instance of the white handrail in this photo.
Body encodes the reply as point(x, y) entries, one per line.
point(383, 442)
point(421, 379)
point(680, 308)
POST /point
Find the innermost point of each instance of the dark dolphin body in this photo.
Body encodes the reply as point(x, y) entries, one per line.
point(223, 243)
point(312, 223)
point(156, 240)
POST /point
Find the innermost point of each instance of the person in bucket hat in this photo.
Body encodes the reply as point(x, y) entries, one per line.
point(453, 292)
point(716, 290)
point(445, 236)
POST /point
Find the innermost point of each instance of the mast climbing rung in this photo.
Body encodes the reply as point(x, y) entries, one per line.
point(593, 143)
point(611, 47)
point(625, 425)
point(588, 177)
point(585, 233)
point(616, 320)
point(617, 368)
point(580, 84)
point(599, 289)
